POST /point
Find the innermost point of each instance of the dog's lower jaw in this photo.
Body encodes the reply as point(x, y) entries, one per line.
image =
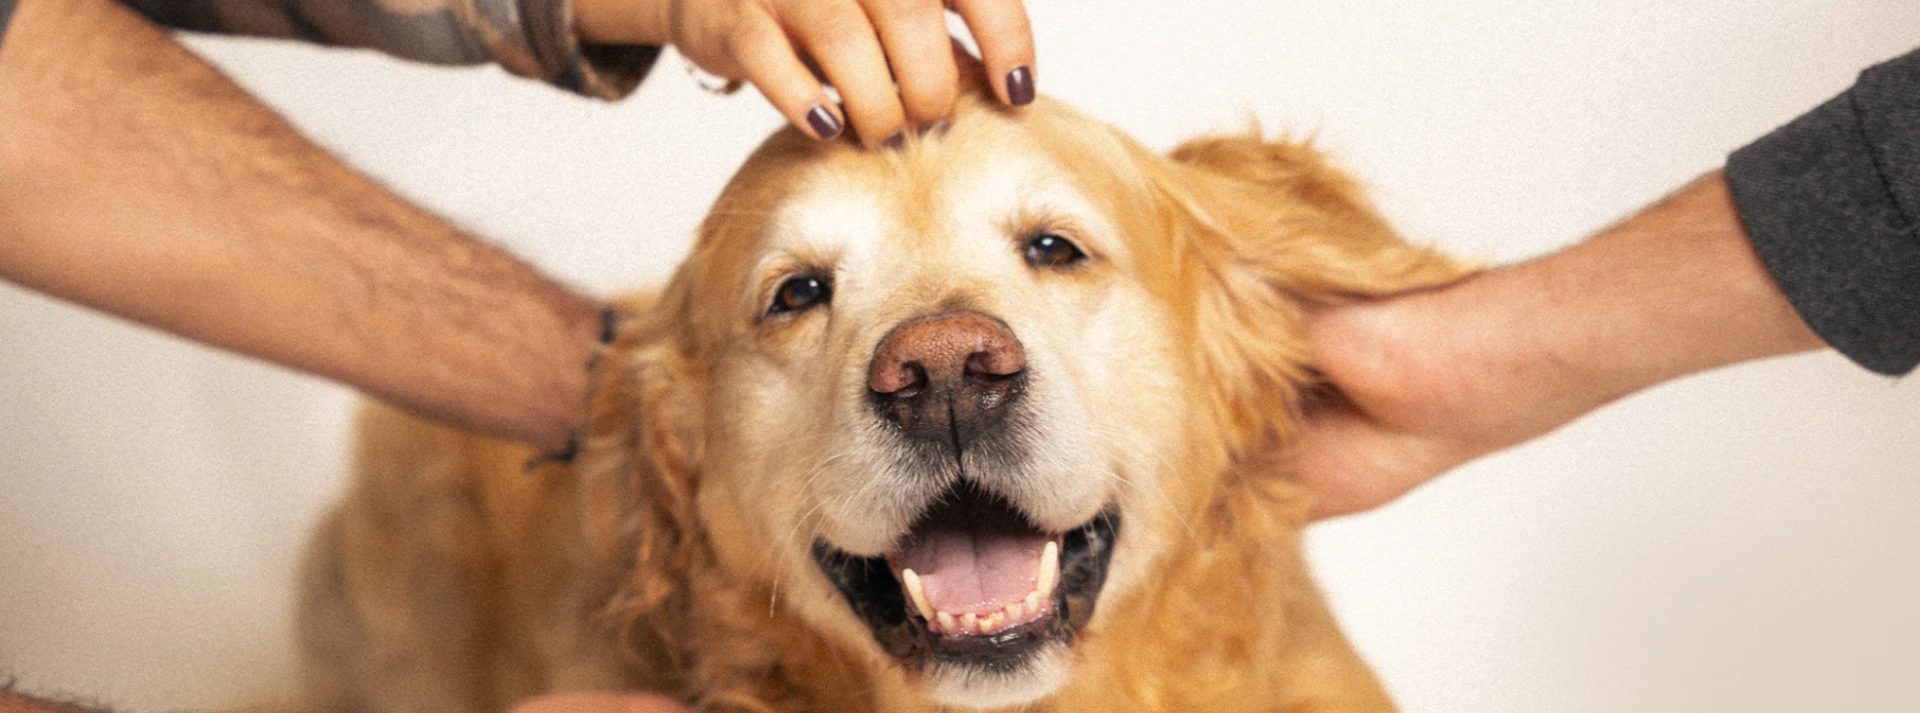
point(960, 685)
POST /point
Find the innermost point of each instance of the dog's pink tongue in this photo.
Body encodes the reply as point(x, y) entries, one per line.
point(974, 571)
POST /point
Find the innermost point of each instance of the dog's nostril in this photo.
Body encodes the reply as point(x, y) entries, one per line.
point(991, 364)
point(913, 378)
point(898, 380)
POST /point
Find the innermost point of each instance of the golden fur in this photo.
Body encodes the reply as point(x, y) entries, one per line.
point(670, 554)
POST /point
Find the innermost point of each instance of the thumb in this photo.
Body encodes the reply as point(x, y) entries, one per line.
point(1351, 463)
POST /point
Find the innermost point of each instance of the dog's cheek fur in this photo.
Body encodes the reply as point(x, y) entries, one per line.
point(657, 512)
point(1259, 231)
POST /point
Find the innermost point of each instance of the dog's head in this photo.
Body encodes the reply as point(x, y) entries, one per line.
point(948, 404)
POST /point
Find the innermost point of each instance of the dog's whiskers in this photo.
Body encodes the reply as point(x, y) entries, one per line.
point(814, 474)
point(1163, 464)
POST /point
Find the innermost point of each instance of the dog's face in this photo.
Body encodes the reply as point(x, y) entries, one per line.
point(950, 380)
point(954, 400)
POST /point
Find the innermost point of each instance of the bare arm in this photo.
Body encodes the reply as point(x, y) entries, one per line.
point(136, 179)
point(1436, 379)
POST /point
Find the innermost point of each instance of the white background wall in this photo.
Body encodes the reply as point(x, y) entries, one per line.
point(1747, 540)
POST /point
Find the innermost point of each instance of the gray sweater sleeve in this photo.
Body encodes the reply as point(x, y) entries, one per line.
point(1831, 202)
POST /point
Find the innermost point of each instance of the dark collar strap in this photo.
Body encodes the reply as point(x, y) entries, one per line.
point(609, 329)
point(609, 319)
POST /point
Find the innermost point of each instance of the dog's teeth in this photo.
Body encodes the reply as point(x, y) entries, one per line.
point(969, 623)
point(992, 622)
point(1049, 570)
point(916, 593)
point(946, 623)
point(1017, 608)
point(1031, 606)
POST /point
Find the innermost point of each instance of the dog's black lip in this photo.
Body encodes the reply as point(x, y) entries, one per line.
point(876, 597)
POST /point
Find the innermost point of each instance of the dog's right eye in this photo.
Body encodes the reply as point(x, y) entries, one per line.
point(1050, 250)
point(800, 293)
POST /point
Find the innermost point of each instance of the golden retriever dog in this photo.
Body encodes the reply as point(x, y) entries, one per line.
point(995, 420)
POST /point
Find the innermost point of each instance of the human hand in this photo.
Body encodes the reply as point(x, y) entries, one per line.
point(1427, 381)
point(891, 60)
point(601, 702)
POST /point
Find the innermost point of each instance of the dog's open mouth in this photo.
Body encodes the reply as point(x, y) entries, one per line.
point(973, 582)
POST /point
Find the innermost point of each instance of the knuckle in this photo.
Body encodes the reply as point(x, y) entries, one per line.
point(747, 42)
point(898, 9)
point(928, 100)
point(839, 23)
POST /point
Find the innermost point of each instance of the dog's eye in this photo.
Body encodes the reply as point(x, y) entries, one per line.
point(1049, 250)
point(800, 293)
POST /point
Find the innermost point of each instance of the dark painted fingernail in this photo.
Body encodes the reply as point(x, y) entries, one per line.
point(895, 142)
point(1020, 86)
point(824, 124)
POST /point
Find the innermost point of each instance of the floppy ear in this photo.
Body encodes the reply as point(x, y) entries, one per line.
point(1269, 230)
point(639, 457)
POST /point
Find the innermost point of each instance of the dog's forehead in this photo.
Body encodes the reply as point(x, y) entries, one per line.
point(991, 176)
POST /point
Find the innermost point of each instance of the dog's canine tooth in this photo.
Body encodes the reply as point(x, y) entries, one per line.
point(917, 594)
point(1049, 570)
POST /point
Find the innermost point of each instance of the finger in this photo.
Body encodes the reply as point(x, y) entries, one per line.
point(914, 35)
point(840, 38)
point(972, 72)
point(768, 60)
point(1001, 29)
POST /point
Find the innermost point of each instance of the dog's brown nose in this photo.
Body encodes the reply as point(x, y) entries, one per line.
point(947, 376)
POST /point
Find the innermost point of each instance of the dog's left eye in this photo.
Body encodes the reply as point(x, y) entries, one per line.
point(1049, 250)
point(800, 293)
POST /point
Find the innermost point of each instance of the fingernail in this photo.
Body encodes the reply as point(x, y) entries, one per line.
point(895, 142)
point(824, 124)
point(1020, 86)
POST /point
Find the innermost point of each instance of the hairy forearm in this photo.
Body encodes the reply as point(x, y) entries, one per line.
point(1673, 290)
point(136, 179)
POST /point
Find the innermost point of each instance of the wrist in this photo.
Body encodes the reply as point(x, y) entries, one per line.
point(622, 22)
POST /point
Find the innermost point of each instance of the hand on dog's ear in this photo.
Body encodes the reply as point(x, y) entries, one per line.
point(1276, 233)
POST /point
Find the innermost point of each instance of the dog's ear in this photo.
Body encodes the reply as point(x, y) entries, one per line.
point(1268, 230)
point(639, 456)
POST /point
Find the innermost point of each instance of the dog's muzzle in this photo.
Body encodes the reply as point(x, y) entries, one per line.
point(972, 581)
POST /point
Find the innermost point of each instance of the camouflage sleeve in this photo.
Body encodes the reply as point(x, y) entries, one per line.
point(531, 38)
